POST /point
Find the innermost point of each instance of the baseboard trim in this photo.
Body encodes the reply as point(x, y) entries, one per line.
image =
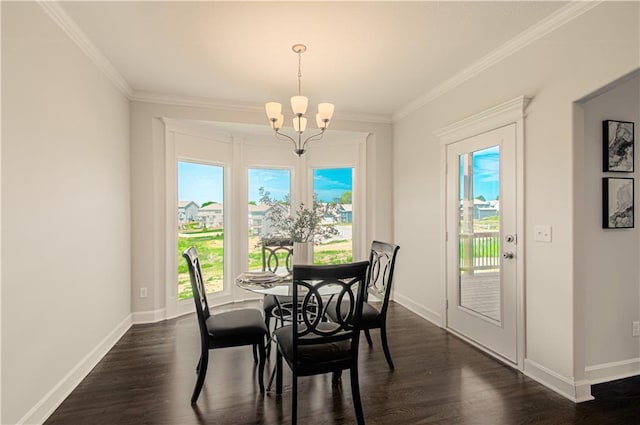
point(50, 402)
point(606, 372)
point(153, 316)
point(576, 391)
point(422, 311)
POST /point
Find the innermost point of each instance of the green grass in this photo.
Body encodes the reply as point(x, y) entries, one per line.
point(211, 251)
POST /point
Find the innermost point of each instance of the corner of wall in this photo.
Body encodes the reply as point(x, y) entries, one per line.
point(50, 402)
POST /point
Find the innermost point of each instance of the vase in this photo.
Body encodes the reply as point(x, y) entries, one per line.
point(301, 251)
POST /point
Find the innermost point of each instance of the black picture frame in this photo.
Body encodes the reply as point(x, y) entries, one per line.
point(618, 202)
point(618, 146)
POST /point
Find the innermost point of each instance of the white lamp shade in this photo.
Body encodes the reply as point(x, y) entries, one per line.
point(321, 124)
point(299, 124)
point(325, 110)
point(273, 110)
point(278, 124)
point(299, 104)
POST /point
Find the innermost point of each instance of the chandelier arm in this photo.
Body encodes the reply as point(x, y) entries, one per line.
point(285, 138)
point(312, 138)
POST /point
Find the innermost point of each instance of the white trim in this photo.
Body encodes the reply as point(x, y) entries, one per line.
point(50, 402)
point(419, 309)
point(576, 391)
point(503, 114)
point(204, 102)
point(153, 316)
point(583, 391)
point(552, 22)
point(606, 372)
point(64, 21)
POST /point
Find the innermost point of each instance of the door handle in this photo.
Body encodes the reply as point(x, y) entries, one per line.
point(508, 255)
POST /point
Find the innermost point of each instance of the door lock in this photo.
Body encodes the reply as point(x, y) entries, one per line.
point(508, 255)
point(510, 238)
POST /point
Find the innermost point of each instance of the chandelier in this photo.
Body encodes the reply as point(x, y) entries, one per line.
point(299, 107)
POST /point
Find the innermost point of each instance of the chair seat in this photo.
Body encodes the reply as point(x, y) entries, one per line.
point(327, 352)
point(370, 314)
point(246, 322)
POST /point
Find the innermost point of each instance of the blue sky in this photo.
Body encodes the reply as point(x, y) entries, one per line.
point(486, 173)
point(201, 183)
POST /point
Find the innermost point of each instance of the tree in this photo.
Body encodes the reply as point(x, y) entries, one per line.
point(204, 204)
point(481, 198)
point(305, 225)
point(345, 198)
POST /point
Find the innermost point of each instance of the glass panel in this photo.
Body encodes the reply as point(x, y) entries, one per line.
point(333, 189)
point(201, 224)
point(479, 232)
point(266, 187)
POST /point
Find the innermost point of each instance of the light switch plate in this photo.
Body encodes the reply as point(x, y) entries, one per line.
point(543, 233)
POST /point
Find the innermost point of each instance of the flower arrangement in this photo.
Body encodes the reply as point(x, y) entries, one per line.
point(306, 225)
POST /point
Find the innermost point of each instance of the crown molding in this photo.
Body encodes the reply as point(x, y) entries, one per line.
point(64, 21)
point(203, 102)
point(503, 114)
point(554, 21)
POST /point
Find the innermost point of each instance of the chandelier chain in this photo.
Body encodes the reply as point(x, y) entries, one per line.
point(299, 72)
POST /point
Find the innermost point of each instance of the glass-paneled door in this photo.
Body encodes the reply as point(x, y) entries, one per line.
point(481, 244)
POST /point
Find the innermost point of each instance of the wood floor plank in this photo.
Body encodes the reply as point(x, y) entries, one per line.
point(148, 377)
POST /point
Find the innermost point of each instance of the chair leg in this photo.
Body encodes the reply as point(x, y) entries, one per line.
point(368, 335)
point(202, 372)
point(255, 353)
point(385, 346)
point(278, 372)
point(267, 322)
point(355, 391)
point(294, 399)
point(336, 377)
point(261, 352)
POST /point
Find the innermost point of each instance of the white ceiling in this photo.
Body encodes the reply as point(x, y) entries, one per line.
point(369, 58)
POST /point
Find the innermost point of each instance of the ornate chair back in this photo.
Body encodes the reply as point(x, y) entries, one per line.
point(382, 263)
point(276, 253)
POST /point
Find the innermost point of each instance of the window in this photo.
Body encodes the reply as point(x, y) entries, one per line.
point(335, 186)
point(276, 184)
point(201, 224)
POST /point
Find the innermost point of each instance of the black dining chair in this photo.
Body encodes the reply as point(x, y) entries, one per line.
point(277, 255)
point(310, 345)
point(380, 277)
point(227, 329)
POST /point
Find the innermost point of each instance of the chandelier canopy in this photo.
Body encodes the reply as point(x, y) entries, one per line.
point(299, 105)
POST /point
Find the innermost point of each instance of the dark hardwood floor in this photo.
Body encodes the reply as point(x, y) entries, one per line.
point(148, 377)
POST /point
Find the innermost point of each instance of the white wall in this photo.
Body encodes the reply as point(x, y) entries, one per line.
point(557, 70)
point(65, 219)
point(148, 189)
point(607, 260)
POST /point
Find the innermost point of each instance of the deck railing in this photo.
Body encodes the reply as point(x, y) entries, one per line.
point(480, 251)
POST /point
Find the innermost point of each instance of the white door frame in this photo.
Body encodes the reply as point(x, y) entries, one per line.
point(510, 112)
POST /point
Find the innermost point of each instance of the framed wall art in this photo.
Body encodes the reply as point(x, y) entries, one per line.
point(617, 142)
point(617, 203)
